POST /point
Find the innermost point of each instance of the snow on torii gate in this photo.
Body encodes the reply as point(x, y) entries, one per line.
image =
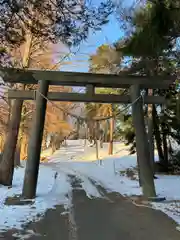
point(90, 81)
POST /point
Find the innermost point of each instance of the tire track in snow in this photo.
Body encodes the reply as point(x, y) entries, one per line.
point(89, 185)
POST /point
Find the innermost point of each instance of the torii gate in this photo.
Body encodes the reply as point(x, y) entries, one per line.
point(90, 81)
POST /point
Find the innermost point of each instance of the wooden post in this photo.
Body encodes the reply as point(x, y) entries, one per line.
point(111, 133)
point(96, 139)
point(7, 161)
point(142, 147)
point(34, 147)
point(90, 90)
point(97, 149)
point(86, 134)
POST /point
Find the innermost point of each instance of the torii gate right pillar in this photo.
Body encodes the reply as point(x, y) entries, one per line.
point(142, 148)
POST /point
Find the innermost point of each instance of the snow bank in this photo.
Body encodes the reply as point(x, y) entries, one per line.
point(48, 195)
point(108, 175)
point(168, 186)
point(80, 161)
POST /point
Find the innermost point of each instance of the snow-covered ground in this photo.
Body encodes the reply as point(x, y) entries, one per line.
point(81, 161)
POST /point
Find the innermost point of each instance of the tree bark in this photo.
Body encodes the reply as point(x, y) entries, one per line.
point(10, 109)
point(44, 141)
point(150, 131)
point(111, 136)
point(97, 149)
point(178, 106)
point(78, 128)
point(17, 157)
point(96, 140)
point(146, 174)
point(2, 140)
point(165, 147)
point(106, 131)
point(86, 134)
point(157, 135)
point(7, 163)
point(25, 64)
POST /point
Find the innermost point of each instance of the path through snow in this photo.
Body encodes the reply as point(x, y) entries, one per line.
point(79, 161)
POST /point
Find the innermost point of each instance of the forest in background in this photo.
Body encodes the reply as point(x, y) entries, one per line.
point(150, 46)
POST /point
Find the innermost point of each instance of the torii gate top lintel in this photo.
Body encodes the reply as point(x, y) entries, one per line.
point(121, 80)
point(88, 80)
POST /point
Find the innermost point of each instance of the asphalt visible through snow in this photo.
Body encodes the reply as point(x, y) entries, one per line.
point(110, 218)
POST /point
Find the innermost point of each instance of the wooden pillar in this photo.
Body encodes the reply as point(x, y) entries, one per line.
point(34, 147)
point(142, 147)
point(90, 90)
point(96, 138)
point(111, 133)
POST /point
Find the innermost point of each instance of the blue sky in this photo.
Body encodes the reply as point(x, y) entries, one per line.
point(109, 34)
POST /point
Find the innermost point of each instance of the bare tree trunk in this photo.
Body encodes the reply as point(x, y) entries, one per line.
point(86, 134)
point(157, 135)
point(7, 163)
point(17, 157)
point(165, 147)
point(2, 140)
point(150, 131)
point(1, 143)
point(21, 137)
point(10, 110)
point(44, 142)
point(97, 148)
point(178, 106)
point(163, 156)
point(96, 139)
point(91, 132)
point(111, 136)
point(53, 143)
point(23, 153)
point(78, 128)
point(106, 131)
point(101, 134)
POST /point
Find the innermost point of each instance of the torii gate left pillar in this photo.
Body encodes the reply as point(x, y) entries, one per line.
point(34, 146)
